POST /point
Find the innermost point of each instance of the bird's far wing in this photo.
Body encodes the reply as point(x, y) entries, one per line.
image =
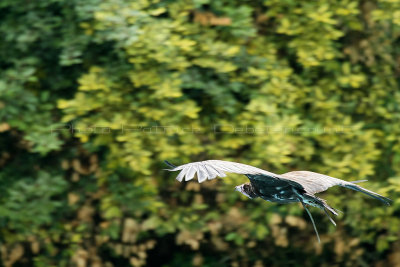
point(315, 182)
point(311, 181)
point(210, 169)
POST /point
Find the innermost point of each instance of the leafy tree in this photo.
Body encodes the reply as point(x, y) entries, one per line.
point(94, 95)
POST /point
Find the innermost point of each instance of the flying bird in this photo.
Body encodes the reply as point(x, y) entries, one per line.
point(295, 186)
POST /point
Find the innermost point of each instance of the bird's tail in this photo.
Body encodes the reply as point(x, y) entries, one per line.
point(321, 203)
point(329, 208)
point(369, 193)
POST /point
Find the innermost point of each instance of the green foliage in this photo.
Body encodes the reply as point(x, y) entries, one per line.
point(32, 203)
point(94, 95)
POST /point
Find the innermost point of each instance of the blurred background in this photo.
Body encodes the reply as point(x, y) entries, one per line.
point(95, 94)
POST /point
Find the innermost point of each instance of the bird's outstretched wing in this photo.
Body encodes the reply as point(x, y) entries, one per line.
point(315, 182)
point(210, 169)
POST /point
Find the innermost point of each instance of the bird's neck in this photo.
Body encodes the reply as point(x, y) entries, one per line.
point(249, 190)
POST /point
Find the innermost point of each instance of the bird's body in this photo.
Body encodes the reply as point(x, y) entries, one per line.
point(271, 189)
point(296, 186)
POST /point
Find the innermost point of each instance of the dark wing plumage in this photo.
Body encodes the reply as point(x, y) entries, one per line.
point(276, 190)
point(262, 181)
point(315, 182)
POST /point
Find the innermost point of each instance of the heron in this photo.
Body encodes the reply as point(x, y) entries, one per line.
point(290, 187)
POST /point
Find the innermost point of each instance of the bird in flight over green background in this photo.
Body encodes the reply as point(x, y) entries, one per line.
point(295, 186)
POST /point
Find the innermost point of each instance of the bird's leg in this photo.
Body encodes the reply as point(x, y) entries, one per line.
point(312, 220)
point(330, 218)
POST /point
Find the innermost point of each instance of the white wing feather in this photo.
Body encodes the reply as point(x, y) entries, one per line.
point(210, 169)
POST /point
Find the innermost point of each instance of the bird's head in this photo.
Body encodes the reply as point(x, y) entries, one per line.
point(246, 190)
